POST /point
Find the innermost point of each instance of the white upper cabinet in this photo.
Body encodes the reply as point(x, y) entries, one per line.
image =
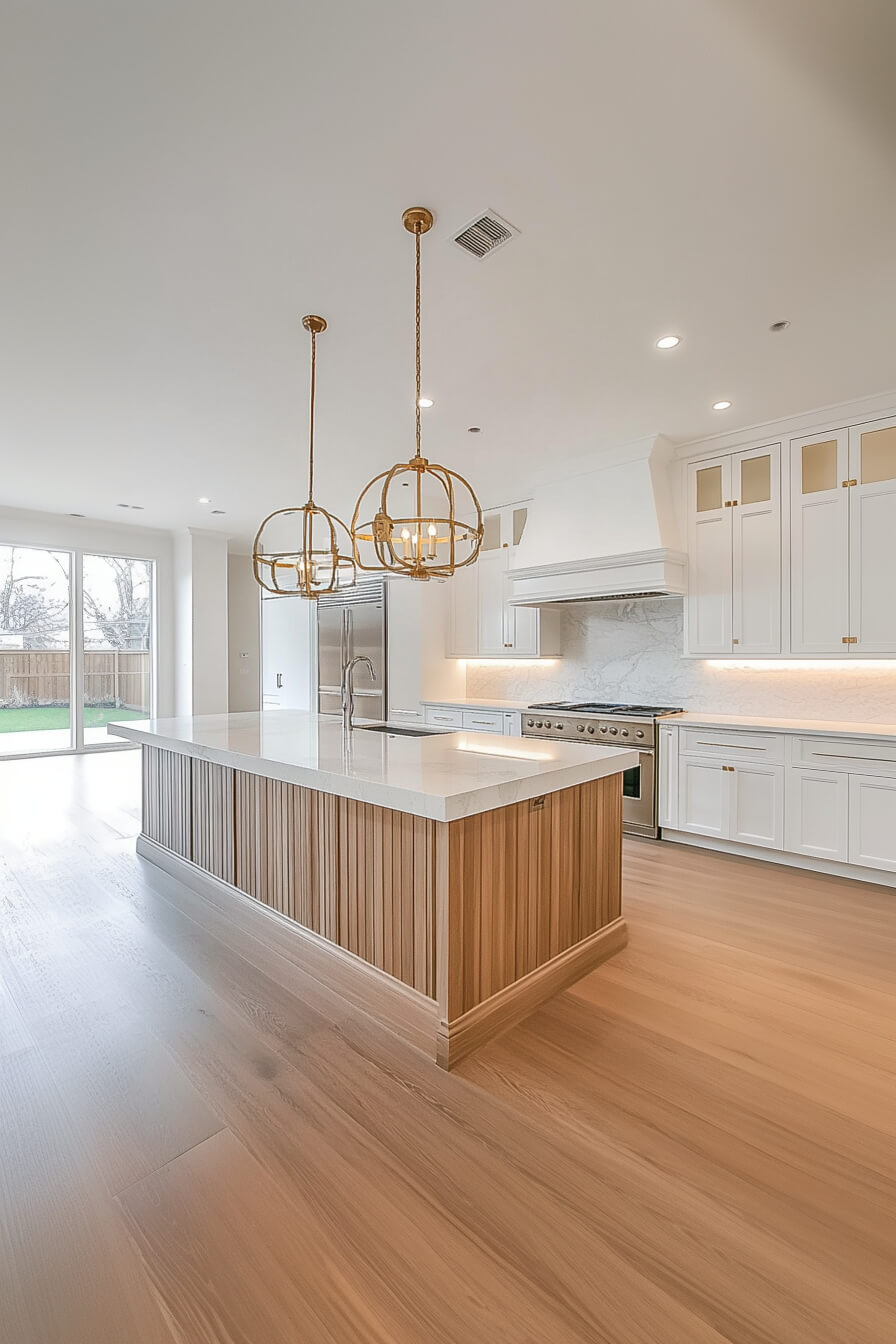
point(843, 541)
point(756, 526)
point(482, 623)
point(709, 557)
point(819, 537)
point(872, 538)
point(734, 551)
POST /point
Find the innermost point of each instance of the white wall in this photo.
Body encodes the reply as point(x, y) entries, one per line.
point(243, 635)
point(200, 604)
point(631, 651)
point(28, 528)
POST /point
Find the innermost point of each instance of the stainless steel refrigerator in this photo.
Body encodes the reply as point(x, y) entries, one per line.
point(350, 624)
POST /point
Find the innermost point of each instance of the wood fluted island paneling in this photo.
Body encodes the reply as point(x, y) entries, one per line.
point(448, 931)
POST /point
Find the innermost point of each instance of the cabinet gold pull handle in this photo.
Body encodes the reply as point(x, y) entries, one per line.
point(847, 484)
point(727, 503)
point(735, 641)
point(850, 639)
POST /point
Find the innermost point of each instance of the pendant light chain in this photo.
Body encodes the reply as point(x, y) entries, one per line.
point(311, 425)
point(417, 329)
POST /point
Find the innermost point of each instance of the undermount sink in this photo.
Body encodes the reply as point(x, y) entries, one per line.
point(398, 732)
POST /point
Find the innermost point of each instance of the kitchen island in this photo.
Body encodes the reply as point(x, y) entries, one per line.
point(447, 884)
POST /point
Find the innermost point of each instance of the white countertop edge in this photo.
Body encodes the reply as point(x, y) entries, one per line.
point(881, 732)
point(435, 807)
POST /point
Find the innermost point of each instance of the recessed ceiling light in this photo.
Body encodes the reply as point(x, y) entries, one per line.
point(203, 499)
point(219, 510)
point(779, 326)
point(425, 401)
point(122, 506)
point(77, 515)
point(721, 405)
point(668, 342)
point(138, 507)
point(474, 429)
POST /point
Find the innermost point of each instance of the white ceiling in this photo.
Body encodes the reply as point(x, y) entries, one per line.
point(183, 179)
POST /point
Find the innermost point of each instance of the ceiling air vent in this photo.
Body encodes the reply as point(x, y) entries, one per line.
point(485, 235)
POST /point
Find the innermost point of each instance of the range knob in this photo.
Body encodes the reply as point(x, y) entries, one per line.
point(581, 727)
point(591, 727)
point(613, 732)
point(530, 723)
point(559, 727)
point(547, 723)
point(639, 733)
point(603, 727)
point(539, 724)
point(624, 732)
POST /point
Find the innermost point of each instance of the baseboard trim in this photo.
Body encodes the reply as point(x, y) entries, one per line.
point(509, 1006)
point(397, 1007)
point(877, 876)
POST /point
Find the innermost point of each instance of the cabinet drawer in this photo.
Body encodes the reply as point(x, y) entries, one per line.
point(445, 718)
point(484, 720)
point(733, 746)
point(845, 753)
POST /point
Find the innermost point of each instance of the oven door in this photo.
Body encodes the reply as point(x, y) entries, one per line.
point(639, 796)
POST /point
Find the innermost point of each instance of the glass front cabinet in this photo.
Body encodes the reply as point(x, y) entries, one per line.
point(792, 548)
point(843, 541)
point(734, 554)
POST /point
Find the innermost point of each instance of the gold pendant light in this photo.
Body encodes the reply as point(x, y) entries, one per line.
point(296, 551)
point(425, 521)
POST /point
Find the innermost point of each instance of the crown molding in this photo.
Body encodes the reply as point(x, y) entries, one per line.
point(836, 416)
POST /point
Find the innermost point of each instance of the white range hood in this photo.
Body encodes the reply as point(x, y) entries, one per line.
point(600, 532)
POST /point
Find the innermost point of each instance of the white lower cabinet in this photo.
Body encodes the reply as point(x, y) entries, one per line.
point(508, 723)
point(828, 796)
point(872, 821)
point(744, 803)
point(667, 778)
point(817, 814)
point(756, 815)
point(703, 797)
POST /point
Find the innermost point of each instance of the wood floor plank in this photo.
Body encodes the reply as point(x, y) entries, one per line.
point(69, 1273)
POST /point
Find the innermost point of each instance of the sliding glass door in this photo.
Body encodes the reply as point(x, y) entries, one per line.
point(35, 650)
point(75, 629)
point(116, 635)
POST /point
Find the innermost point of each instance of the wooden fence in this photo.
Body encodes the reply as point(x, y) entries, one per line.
point(41, 677)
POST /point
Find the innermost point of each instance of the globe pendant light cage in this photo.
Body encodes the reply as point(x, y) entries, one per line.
point(423, 521)
point(298, 552)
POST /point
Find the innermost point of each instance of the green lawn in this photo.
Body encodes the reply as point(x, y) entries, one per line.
point(56, 716)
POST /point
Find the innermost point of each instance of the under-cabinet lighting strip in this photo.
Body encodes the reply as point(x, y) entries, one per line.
point(802, 664)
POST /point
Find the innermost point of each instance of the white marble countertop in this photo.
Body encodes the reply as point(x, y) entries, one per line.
point(470, 702)
point(811, 727)
point(444, 776)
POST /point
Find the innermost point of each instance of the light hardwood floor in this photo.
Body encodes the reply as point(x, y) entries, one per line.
point(199, 1141)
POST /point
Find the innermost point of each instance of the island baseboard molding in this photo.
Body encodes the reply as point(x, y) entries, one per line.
point(513, 1003)
point(446, 932)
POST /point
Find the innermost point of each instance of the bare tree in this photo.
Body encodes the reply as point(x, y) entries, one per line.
point(125, 623)
point(28, 607)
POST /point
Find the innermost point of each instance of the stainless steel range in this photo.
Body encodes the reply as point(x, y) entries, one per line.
point(611, 725)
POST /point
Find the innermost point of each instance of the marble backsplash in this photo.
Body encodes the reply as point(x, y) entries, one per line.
point(632, 651)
